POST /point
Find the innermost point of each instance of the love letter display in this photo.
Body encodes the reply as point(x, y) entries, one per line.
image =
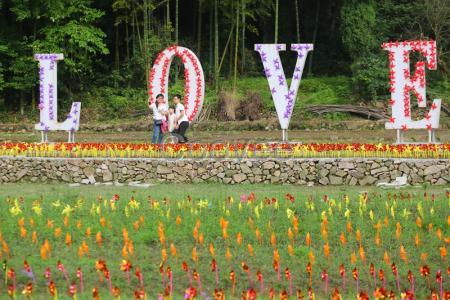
point(283, 95)
point(194, 88)
point(48, 97)
point(403, 83)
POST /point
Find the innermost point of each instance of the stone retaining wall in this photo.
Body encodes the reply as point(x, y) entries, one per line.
point(229, 171)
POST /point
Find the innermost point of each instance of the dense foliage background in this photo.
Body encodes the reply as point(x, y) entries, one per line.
point(109, 46)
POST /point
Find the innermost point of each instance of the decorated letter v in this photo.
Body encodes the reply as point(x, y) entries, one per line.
point(283, 96)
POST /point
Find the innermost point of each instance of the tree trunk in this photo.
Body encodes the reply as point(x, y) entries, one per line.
point(22, 103)
point(243, 37)
point(276, 21)
point(216, 47)
point(116, 47)
point(297, 21)
point(144, 48)
point(236, 47)
point(168, 14)
point(230, 57)
point(199, 28)
point(33, 99)
point(176, 21)
point(127, 38)
point(133, 31)
point(211, 42)
point(316, 25)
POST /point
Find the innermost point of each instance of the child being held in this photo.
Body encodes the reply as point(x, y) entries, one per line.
point(171, 120)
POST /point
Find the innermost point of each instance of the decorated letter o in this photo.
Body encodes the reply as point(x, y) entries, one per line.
point(194, 87)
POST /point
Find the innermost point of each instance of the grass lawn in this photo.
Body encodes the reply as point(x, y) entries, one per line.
point(325, 226)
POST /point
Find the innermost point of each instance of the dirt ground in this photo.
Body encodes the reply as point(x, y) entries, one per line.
point(197, 136)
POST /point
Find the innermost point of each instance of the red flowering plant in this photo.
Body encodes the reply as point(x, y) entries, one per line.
point(282, 150)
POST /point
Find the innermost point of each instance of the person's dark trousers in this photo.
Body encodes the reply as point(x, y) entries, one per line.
point(182, 130)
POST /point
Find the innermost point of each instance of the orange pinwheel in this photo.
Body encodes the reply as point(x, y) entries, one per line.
point(398, 230)
point(355, 274)
point(184, 266)
point(424, 270)
point(326, 250)
point(99, 239)
point(419, 222)
point(443, 252)
point(213, 265)
point(68, 239)
point(295, 224)
point(290, 250)
point(273, 240)
point(308, 239)
point(95, 294)
point(290, 234)
point(239, 238)
point(228, 255)
point(173, 250)
point(126, 266)
point(343, 239)
point(377, 239)
point(34, 237)
point(194, 255)
point(309, 269)
point(336, 295)
point(250, 249)
point(258, 235)
point(311, 257)
point(201, 238)
point(353, 258)
point(403, 254)
point(28, 289)
point(386, 258)
point(52, 288)
point(349, 227)
point(362, 254)
point(219, 294)
point(358, 236)
point(161, 234)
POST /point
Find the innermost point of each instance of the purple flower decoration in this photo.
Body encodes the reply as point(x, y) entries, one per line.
point(280, 80)
point(273, 90)
point(279, 47)
point(276, 64)
point(41, 106)
point(263, 56)
point(258, 47)
point(267, 71)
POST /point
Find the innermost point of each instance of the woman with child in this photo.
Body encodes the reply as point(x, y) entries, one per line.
point(174, 120)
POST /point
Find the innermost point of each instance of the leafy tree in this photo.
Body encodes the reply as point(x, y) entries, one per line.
point(71, 31)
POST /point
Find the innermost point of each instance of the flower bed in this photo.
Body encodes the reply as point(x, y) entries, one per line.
point(263, 150)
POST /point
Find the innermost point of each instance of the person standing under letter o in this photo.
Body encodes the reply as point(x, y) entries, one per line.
point(182, 122)
point(158, 117)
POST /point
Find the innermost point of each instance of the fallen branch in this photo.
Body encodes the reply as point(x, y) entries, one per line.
point(369, 113)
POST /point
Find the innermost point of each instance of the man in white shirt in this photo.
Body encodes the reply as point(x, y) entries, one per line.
point(181, 119)
point(159, 115)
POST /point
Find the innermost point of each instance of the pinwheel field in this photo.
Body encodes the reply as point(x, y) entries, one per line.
point(213, 241)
